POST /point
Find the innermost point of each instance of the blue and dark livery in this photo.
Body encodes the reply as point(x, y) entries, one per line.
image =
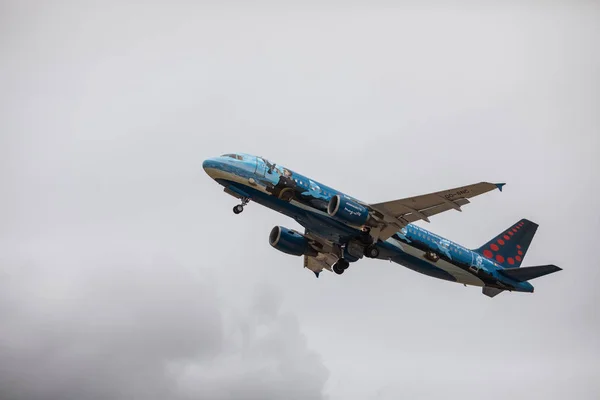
point(340, 229)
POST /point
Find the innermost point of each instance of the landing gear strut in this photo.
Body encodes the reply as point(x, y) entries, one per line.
point(240, 207)
point(340, 266)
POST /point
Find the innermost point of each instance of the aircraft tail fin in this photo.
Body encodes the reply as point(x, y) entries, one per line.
point(509, 247)
point(527, 273)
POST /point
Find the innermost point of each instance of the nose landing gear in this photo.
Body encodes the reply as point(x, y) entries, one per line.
point(240, 207)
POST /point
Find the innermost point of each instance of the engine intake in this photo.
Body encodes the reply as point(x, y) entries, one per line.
point(348, 211)
point(290, 242)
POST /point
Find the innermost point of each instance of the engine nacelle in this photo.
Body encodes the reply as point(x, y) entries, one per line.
point(347, 210)
point(290, 242)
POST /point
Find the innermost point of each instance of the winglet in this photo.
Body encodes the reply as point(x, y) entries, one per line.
point(499, 185)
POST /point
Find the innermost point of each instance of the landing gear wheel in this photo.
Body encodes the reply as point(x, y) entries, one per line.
point(372, 252)
point(340, 266)
point(343, 264)
point(240, 207)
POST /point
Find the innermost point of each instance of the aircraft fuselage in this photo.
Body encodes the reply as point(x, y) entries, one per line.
point(306, 200)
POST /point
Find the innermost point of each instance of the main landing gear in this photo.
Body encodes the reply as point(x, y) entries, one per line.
point(372, 251)
point(340, 266)
point(240, 207)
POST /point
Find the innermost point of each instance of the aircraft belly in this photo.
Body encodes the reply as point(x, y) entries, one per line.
point(218, 174)
point(458, 273)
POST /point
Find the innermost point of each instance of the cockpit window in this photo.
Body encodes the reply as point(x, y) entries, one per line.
point(234, 156)
point(269, 164)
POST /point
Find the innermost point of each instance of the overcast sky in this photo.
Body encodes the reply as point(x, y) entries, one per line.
point(124, 273)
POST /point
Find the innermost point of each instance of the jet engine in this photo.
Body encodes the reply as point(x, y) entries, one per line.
point(290, 242)
point(347, 210)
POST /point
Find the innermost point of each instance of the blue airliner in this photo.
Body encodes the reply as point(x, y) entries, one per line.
point(340, 229)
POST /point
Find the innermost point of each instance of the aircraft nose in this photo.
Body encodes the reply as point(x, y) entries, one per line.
point(210, 165)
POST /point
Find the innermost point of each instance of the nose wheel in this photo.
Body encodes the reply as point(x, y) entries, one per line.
point(240, 207)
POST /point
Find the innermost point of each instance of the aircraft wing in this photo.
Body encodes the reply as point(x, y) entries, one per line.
point(398, 213)
point(319, 263)
point(327, 253)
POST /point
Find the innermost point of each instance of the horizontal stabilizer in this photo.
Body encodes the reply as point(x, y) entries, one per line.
point(527, 273)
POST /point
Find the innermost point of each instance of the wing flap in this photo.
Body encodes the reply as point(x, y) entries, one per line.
point(398, 213)
point(319, 263)
point(327, 253)
point(438, 208)
point(453, 198)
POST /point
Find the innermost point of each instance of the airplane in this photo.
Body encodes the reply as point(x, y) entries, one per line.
point(340, 229)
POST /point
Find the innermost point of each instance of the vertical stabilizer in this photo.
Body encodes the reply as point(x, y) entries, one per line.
point(509, 247)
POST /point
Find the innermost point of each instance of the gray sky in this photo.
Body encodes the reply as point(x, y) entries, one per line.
point(124, 274)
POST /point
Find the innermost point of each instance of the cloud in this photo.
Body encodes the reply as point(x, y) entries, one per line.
point(145, 329)
point(108, 109)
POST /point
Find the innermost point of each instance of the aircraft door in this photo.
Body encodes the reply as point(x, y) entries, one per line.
point(476, 262)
